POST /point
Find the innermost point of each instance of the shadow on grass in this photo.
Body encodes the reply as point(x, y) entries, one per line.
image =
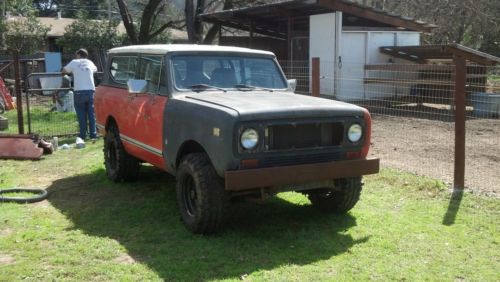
point(453, 207)
point(143, 218)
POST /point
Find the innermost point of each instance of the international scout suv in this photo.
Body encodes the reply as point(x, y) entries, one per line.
point(226, 123)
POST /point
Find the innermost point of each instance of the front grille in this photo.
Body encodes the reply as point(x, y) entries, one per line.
point(299, 160)
point(308, 135)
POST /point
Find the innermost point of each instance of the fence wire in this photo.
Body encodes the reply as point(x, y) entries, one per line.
point(413, 114)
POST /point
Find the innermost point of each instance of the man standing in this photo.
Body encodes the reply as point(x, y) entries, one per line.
point(83, 71)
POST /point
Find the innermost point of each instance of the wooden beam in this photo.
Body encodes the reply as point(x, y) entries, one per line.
point(460, 92)
point(408, 67)
point(259, 30)
point(315, 72)
point(289, 38)
point(401, 55)
point(372, 15)
point(476, 58)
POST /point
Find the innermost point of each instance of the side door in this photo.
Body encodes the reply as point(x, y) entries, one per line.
point(148, 109)
point(112, 96)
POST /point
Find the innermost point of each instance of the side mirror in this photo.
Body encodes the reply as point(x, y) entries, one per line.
point(292, 84)
point(137, 86)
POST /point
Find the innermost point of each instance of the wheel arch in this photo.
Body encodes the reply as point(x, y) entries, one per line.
point(110, 121)
point(188, 147)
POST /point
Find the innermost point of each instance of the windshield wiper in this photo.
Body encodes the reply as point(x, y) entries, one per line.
point(203, 86)
point(251, 87)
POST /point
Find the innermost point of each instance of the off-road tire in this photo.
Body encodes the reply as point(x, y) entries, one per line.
point(340, 199)
point(201, 197)
point(120, 166)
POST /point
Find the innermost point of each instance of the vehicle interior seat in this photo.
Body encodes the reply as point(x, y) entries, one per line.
point(223, 77)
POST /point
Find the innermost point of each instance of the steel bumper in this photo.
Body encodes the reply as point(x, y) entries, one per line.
point(238, 180)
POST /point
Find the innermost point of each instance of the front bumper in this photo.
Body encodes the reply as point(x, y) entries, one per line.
point(239, 180)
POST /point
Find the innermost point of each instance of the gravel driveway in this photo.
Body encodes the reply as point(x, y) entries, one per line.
point(426, 147)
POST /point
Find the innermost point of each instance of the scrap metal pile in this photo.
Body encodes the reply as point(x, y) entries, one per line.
point(23, 147)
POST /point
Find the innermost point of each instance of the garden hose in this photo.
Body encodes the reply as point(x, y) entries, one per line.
point(40, 194)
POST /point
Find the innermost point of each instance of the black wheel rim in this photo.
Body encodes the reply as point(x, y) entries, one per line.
point(189, 195)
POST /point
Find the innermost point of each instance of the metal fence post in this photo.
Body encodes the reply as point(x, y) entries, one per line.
point(315, 77)
point(19, 97)
point(460, 92)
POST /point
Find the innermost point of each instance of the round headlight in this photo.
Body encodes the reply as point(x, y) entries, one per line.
point(355, 132)
point(249, 138)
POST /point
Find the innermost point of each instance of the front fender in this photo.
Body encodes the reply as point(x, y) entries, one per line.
point(209, 125)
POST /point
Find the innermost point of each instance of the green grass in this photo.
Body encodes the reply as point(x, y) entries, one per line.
point(404, 228)
point(44, 122)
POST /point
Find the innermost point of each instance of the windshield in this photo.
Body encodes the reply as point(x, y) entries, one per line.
point(211, 72)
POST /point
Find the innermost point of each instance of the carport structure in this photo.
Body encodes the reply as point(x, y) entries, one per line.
point(298, 30)
point(286, 20)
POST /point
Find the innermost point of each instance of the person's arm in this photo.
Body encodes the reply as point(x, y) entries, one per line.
point(93, 67)
point(68, 69)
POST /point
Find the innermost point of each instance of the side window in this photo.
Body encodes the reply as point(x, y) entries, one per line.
point(123, 68)
point(151, 70)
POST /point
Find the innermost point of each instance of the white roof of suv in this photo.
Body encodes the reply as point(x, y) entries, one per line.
point(165, 48)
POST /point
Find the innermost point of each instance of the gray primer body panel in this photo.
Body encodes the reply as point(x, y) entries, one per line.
point(189, 120)
point(263, 105)
point(194, 117)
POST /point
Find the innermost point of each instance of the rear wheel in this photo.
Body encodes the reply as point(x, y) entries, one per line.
point(340, 199)
point(200, 194)
point(120, 166)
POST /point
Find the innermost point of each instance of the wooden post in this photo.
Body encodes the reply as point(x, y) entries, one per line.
point(460, 92)
point(315, 77)
point(19, 97)
point(289, 31)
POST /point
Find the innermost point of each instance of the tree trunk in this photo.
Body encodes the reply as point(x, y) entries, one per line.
point(147, 21)
point(128, 22)
point(189, 12)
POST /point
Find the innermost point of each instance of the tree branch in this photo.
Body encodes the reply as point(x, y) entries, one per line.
point(161, 29)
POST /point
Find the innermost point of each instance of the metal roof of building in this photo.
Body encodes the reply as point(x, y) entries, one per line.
point(423, 53)
point(268, 19)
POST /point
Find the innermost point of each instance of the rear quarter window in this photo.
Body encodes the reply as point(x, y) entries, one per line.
point(123, 68)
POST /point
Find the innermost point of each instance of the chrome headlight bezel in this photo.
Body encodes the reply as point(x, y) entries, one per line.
point(355, 133)
point(249, 138)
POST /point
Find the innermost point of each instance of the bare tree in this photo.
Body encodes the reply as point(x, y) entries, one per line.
point(475, 23)
point(196, 28)
point(148, 24)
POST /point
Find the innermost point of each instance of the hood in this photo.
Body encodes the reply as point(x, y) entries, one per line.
point(252, 105)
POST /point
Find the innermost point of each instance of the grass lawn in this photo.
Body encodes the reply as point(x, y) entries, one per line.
point(404, 228)
point(44, 122)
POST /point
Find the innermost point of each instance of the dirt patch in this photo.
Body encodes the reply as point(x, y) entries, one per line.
point(426, 147)
point(5, 232)
point(124, 259)
point(43, 204)
point(6, 259)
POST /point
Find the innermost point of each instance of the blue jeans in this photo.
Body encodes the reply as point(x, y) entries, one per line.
point(84, 107)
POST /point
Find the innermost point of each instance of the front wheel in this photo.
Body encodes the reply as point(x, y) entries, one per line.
point(200, 194)
point(120, 166)
point(340, 199)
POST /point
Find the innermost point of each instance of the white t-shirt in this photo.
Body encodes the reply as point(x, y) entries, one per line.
point(83, 73)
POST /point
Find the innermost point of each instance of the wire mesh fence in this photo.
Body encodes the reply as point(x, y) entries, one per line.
point(413, 114)
point(483, 128)
point(48, 112)
point(298, 70)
